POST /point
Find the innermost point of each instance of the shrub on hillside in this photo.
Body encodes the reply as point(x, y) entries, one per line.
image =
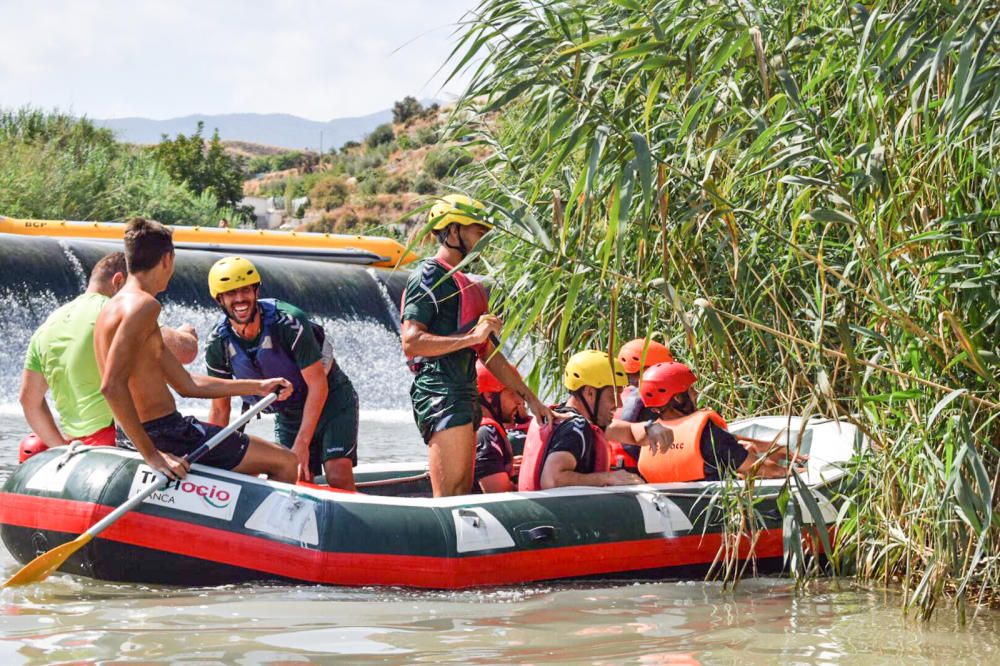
point(405, 109)
point(425, 136)
point(443, 162)
point(329, 193)
point(380, 135)
point(395, 184)
point(424, 184)
point(348, 146)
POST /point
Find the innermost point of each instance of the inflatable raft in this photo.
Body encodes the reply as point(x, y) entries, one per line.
point(369, 250)
point(217, 527)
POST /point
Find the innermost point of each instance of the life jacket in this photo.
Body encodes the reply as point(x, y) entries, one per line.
point(508, 454)
point(682, 461)
point(271, 359)
point(473, 302)
point(624, 456)
point(536, 446)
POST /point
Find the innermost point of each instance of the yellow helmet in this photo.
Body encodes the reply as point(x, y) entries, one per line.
point(231, 273)
point(446, 211)
point(593, 368)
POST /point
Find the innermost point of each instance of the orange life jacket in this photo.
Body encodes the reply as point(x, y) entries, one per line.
point(536, 446)
point(682, 461)
point(473, 302)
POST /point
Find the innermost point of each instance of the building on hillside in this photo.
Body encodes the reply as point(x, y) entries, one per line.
point(267, 214)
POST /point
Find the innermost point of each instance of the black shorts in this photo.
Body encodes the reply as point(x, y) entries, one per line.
point(180, 435)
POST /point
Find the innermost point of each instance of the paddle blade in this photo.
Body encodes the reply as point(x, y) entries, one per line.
point(42, 566)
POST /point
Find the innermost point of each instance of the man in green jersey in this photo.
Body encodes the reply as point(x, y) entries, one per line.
point(261, 338)
point(60, 359)
point(446, 326)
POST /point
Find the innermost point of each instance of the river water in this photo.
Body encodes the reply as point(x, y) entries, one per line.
point(72, 620)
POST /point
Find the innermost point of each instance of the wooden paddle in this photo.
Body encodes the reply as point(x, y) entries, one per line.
point(42, 566)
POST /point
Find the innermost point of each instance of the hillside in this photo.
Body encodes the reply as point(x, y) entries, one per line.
point(369, 186)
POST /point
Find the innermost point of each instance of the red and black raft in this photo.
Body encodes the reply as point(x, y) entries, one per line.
point(217, 527)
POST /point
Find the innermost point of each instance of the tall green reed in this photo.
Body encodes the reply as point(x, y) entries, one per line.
point(800, 198)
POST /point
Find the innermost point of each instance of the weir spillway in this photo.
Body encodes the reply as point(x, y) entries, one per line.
point(357, 306)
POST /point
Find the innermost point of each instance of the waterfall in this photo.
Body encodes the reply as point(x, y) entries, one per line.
point(354, 305)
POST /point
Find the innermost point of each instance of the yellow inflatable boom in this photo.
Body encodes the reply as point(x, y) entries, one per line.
point(371, 250)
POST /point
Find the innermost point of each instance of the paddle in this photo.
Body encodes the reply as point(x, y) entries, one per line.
point(42, 566)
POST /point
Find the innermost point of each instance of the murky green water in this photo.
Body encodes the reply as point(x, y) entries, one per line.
point(75, 620)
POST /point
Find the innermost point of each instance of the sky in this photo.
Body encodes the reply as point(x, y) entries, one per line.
point(167, 58)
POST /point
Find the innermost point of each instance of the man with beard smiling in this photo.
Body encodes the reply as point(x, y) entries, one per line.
point(271, 338)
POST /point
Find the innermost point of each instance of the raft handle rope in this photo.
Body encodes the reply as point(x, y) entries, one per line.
point(378, 483)
point(72, 450)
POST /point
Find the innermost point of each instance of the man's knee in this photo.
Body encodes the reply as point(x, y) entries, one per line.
point(339, 473)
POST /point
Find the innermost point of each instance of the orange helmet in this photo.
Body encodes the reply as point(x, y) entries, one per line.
point(661, 382)
point(631, 355)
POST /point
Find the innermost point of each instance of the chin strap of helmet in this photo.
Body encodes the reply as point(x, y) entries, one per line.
point(590, 409)
point(492, 406)
point(461, 244)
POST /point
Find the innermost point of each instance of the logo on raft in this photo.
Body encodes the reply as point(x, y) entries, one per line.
point(194, 493)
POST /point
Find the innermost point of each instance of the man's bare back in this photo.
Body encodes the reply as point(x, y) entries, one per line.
point(134, 314)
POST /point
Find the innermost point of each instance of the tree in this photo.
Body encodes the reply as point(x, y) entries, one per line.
point(405, 109)
point(202, 168)
point(381, 135)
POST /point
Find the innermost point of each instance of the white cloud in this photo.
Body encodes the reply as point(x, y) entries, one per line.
point(315, 59)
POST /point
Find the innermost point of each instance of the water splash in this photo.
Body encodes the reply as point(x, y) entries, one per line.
point(74, 262)
point(391, 307)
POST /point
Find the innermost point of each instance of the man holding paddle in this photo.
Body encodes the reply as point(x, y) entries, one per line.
point(136, 369)
point(446, 326)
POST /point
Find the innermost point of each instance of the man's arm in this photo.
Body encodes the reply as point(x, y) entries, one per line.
point(219, 412)
point(203, 386)
point(655, 435)
point(502, 370)
point(559, 471)
point(181, 341)
point(36, 409)
point(417, 341)
point(318, 390)
point(134, 329)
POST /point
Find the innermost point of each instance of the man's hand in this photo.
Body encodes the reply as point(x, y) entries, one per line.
point(488, 324)
point(280, 384)
point(301, 450)
point(659, 437)
point(544, 414)
point(622, 478)
point(173, 467)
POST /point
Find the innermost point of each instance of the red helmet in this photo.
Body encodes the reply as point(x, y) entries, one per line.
point(631, 355)
point(663, 381)
point(30, 445)
point(486, 381)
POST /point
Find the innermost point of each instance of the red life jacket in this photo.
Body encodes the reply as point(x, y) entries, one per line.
point(508, 453)
point(620, 456)
point(682, 461)
point(473, 302)
point(536, 449)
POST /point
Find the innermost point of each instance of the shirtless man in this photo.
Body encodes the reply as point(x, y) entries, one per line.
point(136, 369)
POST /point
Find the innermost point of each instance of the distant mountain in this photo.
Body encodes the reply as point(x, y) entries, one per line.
point(274, 129)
